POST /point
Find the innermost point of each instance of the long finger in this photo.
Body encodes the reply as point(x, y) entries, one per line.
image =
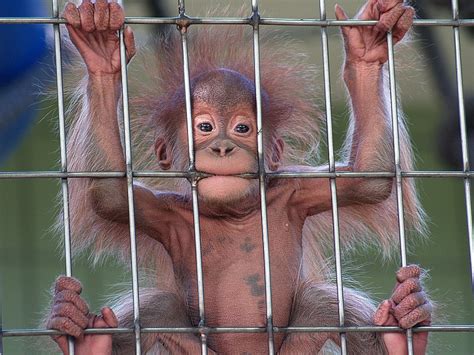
point(387, 5)
point(74, 298)
point(66, 325)
point(109, 317)
point(386, 23)
point(101, 15)
point(418, 315)
point(116, 17)
point(86, 11)
point(129, 40)
point(409, 303)
point(71, 14)
point(68, 310)
point(382, 314)
point(405, 288)
point(67, 283)
point(369, 11)
point(403, 24)
point(389, 19)
point(341, 16)
point(408, 272)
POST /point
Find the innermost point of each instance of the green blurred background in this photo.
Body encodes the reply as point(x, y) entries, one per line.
point(30, 258)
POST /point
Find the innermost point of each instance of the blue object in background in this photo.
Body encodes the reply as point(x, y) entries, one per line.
point(23, 65)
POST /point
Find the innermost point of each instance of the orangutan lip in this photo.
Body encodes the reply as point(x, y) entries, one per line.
point(218, 172)
point(246, 176)
point(243, 174)
point(223, 175)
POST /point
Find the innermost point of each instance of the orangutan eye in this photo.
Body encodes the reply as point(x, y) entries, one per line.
point(242, 128)
point(205, 127)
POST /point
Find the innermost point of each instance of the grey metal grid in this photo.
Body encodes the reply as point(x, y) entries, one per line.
point(194, 181)
point(462, 122)
point(398, 176)
point(184, 21)
point(261, 177)
point(131, 208)
point(332, 168)
point(62, 143)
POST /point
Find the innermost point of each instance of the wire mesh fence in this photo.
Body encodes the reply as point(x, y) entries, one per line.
point(183, 22)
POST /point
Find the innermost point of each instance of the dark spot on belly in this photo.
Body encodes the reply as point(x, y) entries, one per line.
point(257, 288)
point(206, 250)
point(247, 246)
point(217, 246)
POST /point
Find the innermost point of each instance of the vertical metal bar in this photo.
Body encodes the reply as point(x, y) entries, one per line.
point(464, 142)
point(261, 178)
point(131, 207)
point(194, 182)
point(332, 168)
point(63, 148)
point(398, 170)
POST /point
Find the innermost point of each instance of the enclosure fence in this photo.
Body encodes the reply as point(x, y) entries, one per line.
point(183, 21)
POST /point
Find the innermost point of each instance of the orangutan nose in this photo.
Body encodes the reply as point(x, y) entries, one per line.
point(223, 148)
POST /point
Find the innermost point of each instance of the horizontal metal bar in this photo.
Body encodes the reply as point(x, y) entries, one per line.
point(206, 330)
point(97, 174)
point(190, 175)
point(321, 23)
point(189, 20)
point(50, 332)
point(240, 21)
point(432, 328)
point(59, 175)
point(372, 174)
point(170, 174)
point(30, 20)
point(438, 174)
point(379, 329)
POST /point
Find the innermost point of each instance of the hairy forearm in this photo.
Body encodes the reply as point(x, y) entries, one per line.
point(103, 93)
point(370, 144)
point(94, 145)
point(109, 196)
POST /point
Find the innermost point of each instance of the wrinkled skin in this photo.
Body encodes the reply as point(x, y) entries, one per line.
point(225, 139)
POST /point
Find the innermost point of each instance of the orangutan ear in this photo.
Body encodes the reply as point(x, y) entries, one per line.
point(161, 151)
point(277, 154)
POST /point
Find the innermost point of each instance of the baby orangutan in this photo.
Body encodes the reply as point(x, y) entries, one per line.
point(225, 131)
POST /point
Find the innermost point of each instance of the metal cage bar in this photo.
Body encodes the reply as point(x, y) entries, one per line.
point(332, 168)
point(464, 142)
point(131, 206)
point(466, 174)
point(63, 149)
point(144, 20)
point(194, 181)
point(262, 178)
point(452, 328)
point(190, 175)
point(398, 175)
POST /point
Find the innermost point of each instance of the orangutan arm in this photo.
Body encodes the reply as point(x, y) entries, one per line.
point(154, 211)
point(369, 145)
point(370, 150)
point(94, 138)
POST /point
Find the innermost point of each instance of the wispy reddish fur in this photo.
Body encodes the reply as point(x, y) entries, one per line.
point(289, 81)
point(374, 225)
